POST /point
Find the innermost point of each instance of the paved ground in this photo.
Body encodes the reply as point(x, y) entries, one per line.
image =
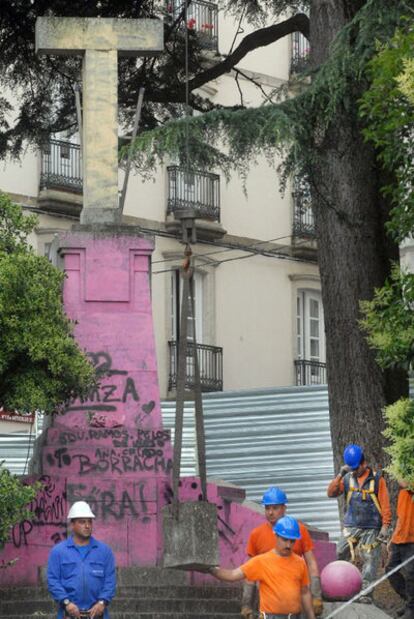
point(355, 611)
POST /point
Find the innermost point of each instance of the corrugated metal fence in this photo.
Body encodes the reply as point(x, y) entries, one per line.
point(259, 438)
point(255, 439)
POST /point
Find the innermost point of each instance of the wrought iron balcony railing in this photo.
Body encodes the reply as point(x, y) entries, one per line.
point(303, 221)
point(198, 191)
point(202, 18)
point(210, 359)
point(310, 372)
point(300, 53)
point(61, 166)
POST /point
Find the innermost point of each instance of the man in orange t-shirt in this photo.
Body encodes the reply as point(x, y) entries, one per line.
point(262, 539)
point(401, 548)
point(282, 574)
point(367, 515)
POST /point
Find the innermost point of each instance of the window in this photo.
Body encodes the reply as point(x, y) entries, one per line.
point(309, 325)
point(310, 338)
point(175, 308)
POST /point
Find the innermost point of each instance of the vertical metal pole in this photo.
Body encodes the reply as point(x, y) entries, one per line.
point(134, 135)
point(79, 112)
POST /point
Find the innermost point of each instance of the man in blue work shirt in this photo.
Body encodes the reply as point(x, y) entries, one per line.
point(81, 571)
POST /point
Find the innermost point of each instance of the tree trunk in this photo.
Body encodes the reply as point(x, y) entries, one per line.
point(354, 258)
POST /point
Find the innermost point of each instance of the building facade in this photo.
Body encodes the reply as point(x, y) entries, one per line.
point(258, 308)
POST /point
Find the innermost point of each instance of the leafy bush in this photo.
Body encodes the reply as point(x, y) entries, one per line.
point(14, 498)
point(400, 432)
point(41, 364)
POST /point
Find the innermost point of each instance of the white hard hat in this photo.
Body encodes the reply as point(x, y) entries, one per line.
point(80, 509)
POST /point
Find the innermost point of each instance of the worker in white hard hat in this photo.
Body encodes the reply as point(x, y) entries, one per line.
point(81, 570)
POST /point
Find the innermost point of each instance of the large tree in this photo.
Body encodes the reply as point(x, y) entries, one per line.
point(320, 130)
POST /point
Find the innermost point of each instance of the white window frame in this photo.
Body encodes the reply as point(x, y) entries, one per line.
point(176, 289)
point(305, 325)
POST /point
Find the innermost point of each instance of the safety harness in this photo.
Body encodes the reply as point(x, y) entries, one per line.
point(371, 491)
point(364, 493)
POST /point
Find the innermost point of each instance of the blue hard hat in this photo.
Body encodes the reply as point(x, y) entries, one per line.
point(274, 496)
point(287, 527)
point(353, 456)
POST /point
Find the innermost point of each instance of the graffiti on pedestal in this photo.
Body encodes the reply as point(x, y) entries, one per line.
point(106, 397)
point(49, 510)
point(126, 451)
point(112, 502)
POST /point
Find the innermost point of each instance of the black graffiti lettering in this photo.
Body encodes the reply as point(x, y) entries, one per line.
point(108, 501)
point(85, 465)
point(142, 497)
point(58, 537)
point(148, 465)
point(127, 504)
point(62, 457)
point(20, 533)
point(93, 395)
point(102, 453)
point(47, 512)
point(102, 362)
point(126, 463)
point(109, 390)
point(115, 460)
point(138, 466)
point(130, 389)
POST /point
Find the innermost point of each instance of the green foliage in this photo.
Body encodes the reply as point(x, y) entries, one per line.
point(388, 109)
point(15, 227)
point(41, 365)
point(400, 433)
point(14, 498)
point(389, 320)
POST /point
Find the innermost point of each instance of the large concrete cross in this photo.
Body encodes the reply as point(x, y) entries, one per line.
point(99, 40)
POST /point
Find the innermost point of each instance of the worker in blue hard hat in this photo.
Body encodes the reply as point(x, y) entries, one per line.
point(261, 540)
point(283, 576)
point(367, 513)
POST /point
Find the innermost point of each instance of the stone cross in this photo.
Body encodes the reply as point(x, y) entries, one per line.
point(99, 40)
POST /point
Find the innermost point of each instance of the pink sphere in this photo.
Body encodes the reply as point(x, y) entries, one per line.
point(340, 580)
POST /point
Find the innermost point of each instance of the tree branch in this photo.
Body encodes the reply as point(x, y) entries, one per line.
point(259, 38)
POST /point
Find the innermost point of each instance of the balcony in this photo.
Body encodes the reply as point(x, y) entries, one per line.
point(202, 18)
point(310, 372)
point(300, 53)
point(196, 195)
point(60, 187)
point(210, 359)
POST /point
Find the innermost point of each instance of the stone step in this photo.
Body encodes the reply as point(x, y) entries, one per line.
point(139, 591)
point(143, 576)
point(177, 605)
point(151, 576)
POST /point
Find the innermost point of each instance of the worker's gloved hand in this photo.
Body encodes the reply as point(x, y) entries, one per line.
point(247, 612)
point(344, 470)
point(317, 606)
point(384, 534)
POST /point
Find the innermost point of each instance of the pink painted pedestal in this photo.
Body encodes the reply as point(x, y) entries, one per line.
point(111, 449)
